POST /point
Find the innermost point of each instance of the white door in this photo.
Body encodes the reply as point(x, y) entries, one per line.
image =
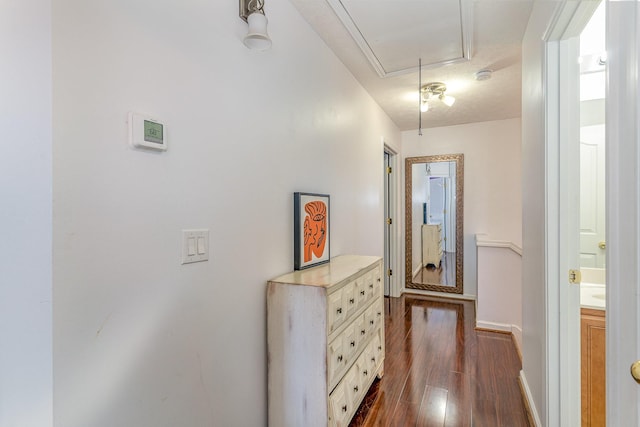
point(623, 215)
point(592, 196)
point(436, 200)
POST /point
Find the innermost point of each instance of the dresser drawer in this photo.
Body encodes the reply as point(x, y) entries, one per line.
point(361, 292)
point(353, 386)
point(374, 284)
point(370, 320)
point(360, 330)
point(377, 281)
point(376, 351)
point(349, 298)
point(337, 312)
point(370, 286)
point(337, 359)
point(378, 315)
point(366, 373)
point(339, 407)
point(350, 342)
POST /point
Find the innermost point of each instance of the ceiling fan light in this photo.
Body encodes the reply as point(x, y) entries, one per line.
point(257, 37)
point(424, 106)
point(448, 100)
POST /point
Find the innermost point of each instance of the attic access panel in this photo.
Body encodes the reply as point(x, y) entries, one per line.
point(393, 34)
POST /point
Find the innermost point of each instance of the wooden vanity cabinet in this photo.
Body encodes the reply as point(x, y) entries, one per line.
point(593, 375)
point(325, 339)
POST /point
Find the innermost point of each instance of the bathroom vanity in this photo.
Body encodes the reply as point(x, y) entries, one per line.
point(593, 351)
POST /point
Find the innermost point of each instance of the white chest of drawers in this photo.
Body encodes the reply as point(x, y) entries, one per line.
point(325, 329)
point(431, 244)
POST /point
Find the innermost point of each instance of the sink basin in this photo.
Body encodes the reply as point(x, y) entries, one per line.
point(593, 295)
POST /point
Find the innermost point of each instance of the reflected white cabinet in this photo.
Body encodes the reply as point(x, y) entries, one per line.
point(431, 244)
point(325, 333)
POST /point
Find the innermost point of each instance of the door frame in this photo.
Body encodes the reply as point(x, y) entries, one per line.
point(563, 397)
point(395, 289)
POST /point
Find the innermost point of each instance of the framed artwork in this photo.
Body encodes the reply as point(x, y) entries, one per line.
point(310, 230)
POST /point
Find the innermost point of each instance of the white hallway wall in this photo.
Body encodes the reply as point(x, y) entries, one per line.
point(499, 304)
point(25, 214)
point(138, 338)
point(492, 171)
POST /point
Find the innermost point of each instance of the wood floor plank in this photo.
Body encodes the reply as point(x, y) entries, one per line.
point(406, 414)
point(440, 371)
point(459, 401)
point(433, 407)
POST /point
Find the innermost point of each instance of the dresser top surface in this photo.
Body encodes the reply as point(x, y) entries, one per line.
point(325, 275)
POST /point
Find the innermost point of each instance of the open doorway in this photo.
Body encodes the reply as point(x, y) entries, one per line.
point(592, 219)
point(561, 124)
point(390, 222)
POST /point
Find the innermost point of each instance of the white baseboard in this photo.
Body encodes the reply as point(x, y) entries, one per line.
point(531, 406)
point(516, 331)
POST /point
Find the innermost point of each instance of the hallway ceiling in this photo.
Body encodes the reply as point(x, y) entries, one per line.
point(380, 42)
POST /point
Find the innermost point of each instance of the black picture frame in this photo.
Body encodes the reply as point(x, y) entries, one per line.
point(311, 230)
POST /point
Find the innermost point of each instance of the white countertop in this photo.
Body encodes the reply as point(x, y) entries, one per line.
point(593, 296)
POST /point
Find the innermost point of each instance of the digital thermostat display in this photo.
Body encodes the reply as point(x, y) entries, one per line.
point(153, 132)
point(147, 132)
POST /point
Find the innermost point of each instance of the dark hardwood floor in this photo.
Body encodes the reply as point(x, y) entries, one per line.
point(440, 371)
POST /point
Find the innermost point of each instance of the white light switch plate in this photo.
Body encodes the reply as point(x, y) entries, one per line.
point(195, 246)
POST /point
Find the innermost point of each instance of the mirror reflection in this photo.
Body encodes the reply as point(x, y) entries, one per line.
point(434, 188)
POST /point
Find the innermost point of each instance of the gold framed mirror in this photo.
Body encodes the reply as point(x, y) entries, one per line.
point(434, 238)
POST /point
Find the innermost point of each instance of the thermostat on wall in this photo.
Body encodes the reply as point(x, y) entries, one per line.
point(147, 132)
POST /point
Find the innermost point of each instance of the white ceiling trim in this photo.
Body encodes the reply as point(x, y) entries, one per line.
point(466, 30)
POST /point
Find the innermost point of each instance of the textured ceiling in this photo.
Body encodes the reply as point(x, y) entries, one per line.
point(493, 30)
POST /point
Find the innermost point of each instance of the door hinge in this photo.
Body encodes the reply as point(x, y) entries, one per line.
point(389, 272)
point(575, 277)
point(389, 221)
point(389, 169)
